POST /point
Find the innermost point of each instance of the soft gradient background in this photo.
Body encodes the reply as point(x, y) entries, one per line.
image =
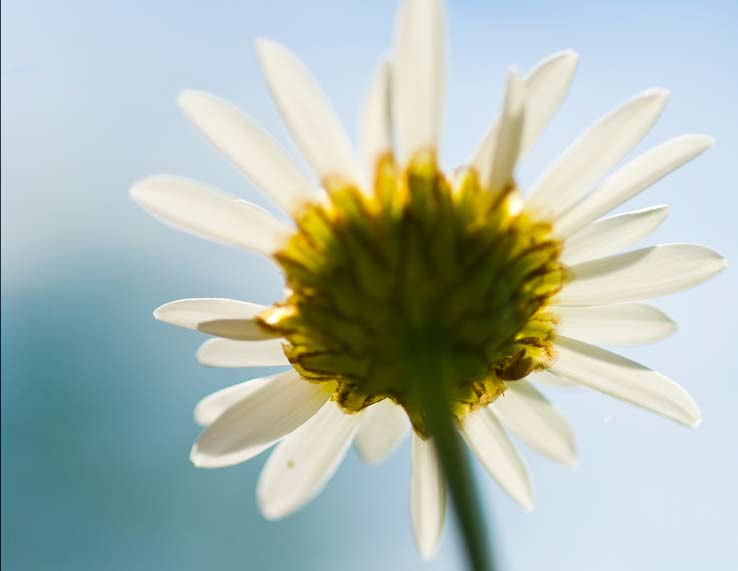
point(97, 397)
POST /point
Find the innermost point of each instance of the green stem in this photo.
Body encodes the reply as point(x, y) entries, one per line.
point(431, 388)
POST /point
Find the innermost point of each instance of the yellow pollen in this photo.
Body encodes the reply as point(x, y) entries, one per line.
point(418, 265)
point(277, 314)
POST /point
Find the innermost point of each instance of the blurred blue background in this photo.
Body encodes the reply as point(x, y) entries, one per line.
point(97, 397)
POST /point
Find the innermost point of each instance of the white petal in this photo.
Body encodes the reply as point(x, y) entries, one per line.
point(418, 77)
point(641, 274)
point(250, 148)
point(203, 211)
point(427, 497)
point(236, 329)
point(533, 419)
point(546, 377)
point(621, 324)
point(303, 463)
point(375, 135)
point(382, 429)
point(313, 122)
point(595, 152)
point(624, 379)
point(634, 177)
point(492, 446)
point(259, 420)
point(190, 313)
point(497, 157)
point(228, 353)
point(545, 88)
point(612, 234)
point(215, 404)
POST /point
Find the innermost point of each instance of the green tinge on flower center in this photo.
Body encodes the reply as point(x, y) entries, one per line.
point(370, 278)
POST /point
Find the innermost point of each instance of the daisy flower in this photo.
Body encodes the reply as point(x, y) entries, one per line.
point(409, 291)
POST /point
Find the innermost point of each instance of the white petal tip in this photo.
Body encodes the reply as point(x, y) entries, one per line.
point(147, 188)
point(206, 356)
point(427, 554)
point(149, 192)
point(200, 460)
point(190, 101)
point(570, 460)
point(268, 515)
point(266, 49)
point(203, 356)
point(139, 191)
point(707, 141)
point(524, 497)
point(272, 517)
point(689, 414)
point(663, 210)
point(719, 263)
point(658, 93)
point(370, 460)
point(566, 60)
point(187, 96)
point(267, 511)
point(162, 314)
point(671, 327)
point(566, 458)
point(513, 74)
point(196, 458)
point(265, 45)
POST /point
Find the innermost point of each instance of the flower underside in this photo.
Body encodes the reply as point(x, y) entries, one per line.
point(420, 267)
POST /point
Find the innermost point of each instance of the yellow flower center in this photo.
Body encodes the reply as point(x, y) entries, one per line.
point(420, 265)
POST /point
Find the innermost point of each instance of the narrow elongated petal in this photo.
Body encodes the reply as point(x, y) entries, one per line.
point(382, 429)
point(427, 497)
point(497, 159)
point(624, 379)
point(208, 213)
point(313, 122)
point(215, 404)
point(189, 313)
point(375, 135)
point(545, 88)
point(530, 417)
point(547, 378)
point(621, 324)
point(595, 152)
point(303, 463)
point(262, 418)
point(491, 444)
point(250, 148)
point(543, 91)
point(418, 76)
point(235, 329)
point(641, 274)
point(228, 353)
point(610, 235)
point(633, 178)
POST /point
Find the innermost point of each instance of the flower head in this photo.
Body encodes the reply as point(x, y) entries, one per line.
point(399, 263)
point(419, 265)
